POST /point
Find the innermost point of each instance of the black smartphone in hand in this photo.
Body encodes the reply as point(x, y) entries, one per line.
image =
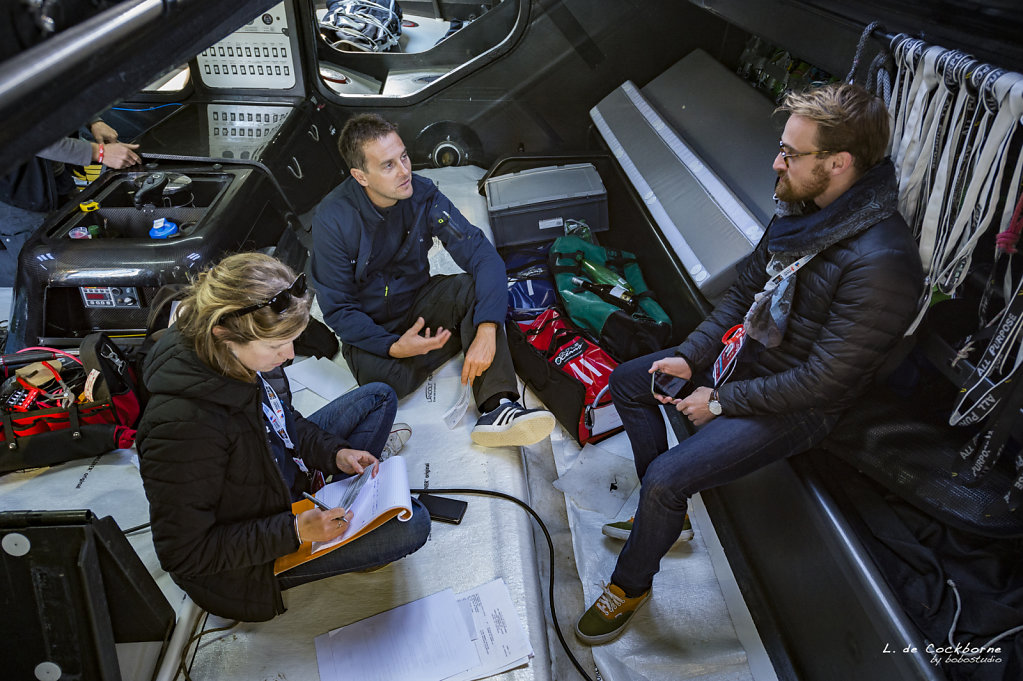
point(667, 385)
point(443, 509)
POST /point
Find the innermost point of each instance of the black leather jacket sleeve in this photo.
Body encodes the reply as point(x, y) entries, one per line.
point(703, 345)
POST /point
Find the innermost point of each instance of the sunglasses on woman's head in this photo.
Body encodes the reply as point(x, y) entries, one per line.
point(278, 303)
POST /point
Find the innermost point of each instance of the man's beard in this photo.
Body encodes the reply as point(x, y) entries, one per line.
point(819, 181)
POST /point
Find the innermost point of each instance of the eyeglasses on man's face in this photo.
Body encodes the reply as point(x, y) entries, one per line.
point(786, 154)
point(278, 303)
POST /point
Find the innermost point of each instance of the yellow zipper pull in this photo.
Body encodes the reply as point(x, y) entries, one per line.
point(386, 287)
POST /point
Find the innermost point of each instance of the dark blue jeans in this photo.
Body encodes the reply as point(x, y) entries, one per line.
point(363, 417)
point(721, 451)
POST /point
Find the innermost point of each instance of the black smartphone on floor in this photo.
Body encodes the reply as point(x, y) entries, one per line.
point(443, 509)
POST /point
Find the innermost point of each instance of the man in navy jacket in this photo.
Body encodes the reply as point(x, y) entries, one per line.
point(398, 324)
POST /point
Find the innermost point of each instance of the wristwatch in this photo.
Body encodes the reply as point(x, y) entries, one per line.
point(713, 405)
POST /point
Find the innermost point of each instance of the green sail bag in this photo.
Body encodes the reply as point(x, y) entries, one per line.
point(603, 292)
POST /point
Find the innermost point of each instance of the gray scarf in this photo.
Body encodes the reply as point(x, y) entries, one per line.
point(801, 229)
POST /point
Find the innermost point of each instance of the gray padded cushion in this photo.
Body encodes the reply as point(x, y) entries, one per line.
point(697, 143)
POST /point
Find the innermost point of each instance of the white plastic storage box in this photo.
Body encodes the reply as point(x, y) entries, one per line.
point(533, 205)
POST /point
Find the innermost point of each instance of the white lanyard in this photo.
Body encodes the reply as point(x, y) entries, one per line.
point(929, 135)
point(906, 52)
point(955, 166)
point(971, 224)
point(274, 413)
point(735, 338)
point(953, 224)
point(787, 272)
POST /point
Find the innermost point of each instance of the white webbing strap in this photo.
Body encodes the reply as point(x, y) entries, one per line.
point(907, 51)
point(981, 393)
point(934, 132)
point(925, 83)
point(947, 247)
point(957, 163)
point(979, 204)
point(935, 236)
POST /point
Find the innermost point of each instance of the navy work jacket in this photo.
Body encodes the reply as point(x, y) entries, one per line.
point(368, 264)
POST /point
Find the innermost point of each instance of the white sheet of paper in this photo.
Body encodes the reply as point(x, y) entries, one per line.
point(453, 415)
point(371, 498)
point(322, 376)
point(599, 481)
point(495, 629)
point(425, 640)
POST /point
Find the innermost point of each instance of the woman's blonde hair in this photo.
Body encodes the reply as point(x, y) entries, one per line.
point(236, 282)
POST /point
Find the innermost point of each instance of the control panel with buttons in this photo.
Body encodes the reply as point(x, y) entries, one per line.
point(258, 55)
point(113, 297)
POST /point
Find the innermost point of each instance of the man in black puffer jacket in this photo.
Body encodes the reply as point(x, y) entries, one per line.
point(826, 295)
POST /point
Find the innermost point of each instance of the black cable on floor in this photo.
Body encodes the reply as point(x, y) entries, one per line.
point(550, 548)
point(449, 490)
point(194, 638)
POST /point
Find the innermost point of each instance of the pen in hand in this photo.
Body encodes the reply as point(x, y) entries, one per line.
point(316, 501)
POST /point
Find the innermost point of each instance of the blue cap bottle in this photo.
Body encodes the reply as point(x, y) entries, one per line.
point(163, 229)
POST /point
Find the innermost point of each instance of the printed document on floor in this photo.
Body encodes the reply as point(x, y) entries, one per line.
point(425, 640)
point(442, 637)
point(495, 630)
point(453, 415)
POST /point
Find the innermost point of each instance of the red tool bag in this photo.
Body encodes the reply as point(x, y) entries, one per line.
point(569, 372)
point(55, 407)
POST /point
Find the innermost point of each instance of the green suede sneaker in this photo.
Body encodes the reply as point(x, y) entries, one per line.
point(623, 528)
point(606, 619)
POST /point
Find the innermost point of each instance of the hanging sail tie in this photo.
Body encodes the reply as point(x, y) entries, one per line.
point(908, 52)
point(985, 397)
point(980, 202)
point(954, 170)
point(950, 65)
point(925, 83)
point(972, 197)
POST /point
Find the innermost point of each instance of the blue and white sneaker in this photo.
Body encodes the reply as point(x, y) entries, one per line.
point(510, 425)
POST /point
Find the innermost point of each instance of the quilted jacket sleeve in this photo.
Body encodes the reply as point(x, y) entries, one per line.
point(336, 233)
point(703, 345)
point(185, 466)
